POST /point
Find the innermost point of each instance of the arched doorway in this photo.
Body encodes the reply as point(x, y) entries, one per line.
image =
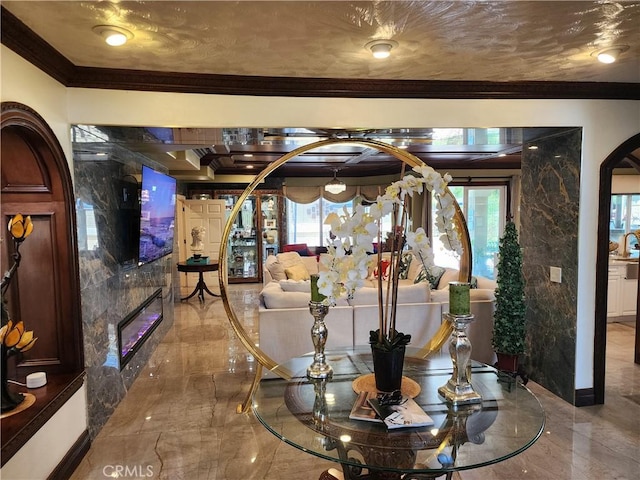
point(624, 151)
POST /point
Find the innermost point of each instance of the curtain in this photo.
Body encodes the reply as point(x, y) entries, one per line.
point(311, 194)
point(302, 194)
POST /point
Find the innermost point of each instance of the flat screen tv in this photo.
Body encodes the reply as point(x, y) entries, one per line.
point(157, 215)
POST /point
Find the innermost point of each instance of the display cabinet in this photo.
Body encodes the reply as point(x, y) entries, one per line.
point(254, 235)
point(271, 223)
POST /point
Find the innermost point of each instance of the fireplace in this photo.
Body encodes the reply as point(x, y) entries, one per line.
point(134, 330)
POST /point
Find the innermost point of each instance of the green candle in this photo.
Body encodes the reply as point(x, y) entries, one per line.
point(316, 296)
point(459, 298)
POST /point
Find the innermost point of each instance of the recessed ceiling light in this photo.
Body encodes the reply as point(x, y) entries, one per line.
point(610, 54)
point(248, 155)
point(112, 35)
point(381, 48)
point(533, 147)
point(249, 166)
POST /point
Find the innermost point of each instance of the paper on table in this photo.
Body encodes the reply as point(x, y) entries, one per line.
point(405, 414)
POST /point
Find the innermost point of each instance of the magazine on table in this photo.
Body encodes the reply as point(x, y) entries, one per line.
point(361, 409)
point(399, 412)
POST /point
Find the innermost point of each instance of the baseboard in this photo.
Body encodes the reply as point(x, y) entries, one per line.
point(72, 459)
point(584, 397)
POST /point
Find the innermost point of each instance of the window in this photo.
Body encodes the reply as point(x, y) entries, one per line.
point(484, 209)
point(305, 221)
point(625, 218)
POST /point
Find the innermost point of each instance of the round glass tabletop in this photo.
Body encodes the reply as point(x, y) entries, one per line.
point(313, 415)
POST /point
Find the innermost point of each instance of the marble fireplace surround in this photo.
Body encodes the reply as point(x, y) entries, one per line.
point(110, 290)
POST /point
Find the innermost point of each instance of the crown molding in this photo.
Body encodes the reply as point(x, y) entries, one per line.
point(26, 43)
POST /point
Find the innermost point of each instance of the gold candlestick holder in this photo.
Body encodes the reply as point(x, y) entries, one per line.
point(458, 389)
point(319, 369)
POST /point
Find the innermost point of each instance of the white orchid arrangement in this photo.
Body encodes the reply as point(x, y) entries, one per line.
point(346, 268)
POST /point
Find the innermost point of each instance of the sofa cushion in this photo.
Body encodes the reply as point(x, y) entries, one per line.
point(324, 260)
point(450, 275)
point(482, 294)
point(297, 272)
point(274, 297)
point(407, 293)
point(486, 283)
point(295, 286)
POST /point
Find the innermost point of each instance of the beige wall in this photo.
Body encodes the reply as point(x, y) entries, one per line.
point(606, 124)
point(23, 83)
point(625, 184)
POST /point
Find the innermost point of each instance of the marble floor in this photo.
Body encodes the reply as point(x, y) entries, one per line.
point(179, 418)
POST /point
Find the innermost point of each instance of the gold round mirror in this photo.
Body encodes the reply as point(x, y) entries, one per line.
point(264, 361)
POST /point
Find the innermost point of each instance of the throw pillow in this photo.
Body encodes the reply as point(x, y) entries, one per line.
point(384, 266)
point(296, 286)
point(474, 282)
point(277, 271)
point(405, 263)
point(297, 272)
point(422, 276)
point(434, 274)
point(289, 259)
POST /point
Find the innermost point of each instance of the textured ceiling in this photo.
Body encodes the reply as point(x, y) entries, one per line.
point(463, 40)
point(476, 40)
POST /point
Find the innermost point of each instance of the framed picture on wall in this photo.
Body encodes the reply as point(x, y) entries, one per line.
point(270, 223)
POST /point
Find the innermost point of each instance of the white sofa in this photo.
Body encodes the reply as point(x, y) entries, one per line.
point(285, 322)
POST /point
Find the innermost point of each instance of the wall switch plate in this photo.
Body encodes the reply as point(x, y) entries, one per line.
point(555, 274)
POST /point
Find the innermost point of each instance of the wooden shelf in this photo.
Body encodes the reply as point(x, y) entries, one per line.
point(17, 429)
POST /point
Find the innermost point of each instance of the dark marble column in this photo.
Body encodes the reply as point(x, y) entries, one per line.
point(549, 238)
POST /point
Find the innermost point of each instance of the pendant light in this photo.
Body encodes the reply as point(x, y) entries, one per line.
point(335, 186)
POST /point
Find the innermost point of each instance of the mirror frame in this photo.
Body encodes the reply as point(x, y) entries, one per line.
point(433, 345)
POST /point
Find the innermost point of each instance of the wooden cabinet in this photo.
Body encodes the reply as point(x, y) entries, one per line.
point(629, 296)
point(622, 292)
point(613, 293)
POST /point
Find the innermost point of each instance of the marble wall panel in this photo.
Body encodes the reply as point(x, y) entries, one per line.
point(112, 285)
point(549, 237)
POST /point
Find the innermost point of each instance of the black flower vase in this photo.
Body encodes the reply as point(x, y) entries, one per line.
point(387, 367)
point(10, 400)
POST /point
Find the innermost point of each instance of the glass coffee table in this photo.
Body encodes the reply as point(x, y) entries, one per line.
point(313, 416)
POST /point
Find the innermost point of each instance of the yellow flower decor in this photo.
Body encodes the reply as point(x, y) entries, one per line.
point(13, 337)
point(20, 227)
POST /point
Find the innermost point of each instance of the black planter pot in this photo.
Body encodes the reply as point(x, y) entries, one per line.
point(387, 368)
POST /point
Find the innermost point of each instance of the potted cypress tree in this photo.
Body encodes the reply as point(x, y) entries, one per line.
point(509, 322)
